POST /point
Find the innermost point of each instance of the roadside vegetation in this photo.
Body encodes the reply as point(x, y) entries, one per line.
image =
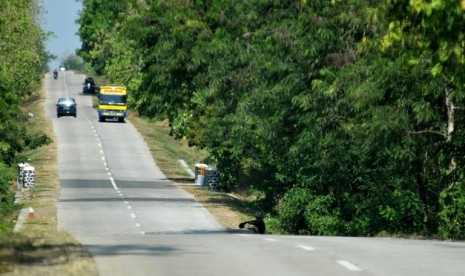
point(333, 117)
point(39, 248)
point(340, 117)
point(26, 136)
point(228, 209)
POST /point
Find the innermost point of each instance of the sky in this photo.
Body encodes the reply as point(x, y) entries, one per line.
point(59, 17)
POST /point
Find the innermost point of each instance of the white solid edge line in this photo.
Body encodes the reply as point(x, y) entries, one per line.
point(183, 163)
point(21, 218)
point(186, 167)
point(349, 265)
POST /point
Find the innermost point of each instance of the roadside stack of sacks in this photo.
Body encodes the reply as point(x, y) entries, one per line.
point(212, 177)
point(206, 176)
point(26, 177)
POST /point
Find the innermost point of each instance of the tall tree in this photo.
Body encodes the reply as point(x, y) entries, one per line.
point(22, 63)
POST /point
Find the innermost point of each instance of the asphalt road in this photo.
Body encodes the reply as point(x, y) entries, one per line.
point(116, 201)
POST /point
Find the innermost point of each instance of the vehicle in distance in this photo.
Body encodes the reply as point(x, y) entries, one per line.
point(88, 86)
point(112, 103)
point(66, 107)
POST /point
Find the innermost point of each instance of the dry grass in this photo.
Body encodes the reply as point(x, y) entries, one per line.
point(228, 210)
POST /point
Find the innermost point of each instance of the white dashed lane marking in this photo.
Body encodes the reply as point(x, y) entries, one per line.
point(349, 265)
point(113, 182)
point(271, 240)
point(346, 264)
point(305, 247)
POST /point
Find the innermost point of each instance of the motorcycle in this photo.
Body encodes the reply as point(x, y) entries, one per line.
point(256, 226)
point(249, 229)
point(55, 75)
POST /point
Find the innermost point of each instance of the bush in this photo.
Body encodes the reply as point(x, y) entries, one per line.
point(452, 214)
point(320, 216)
point(291, 210)
point(7, 174)
point(40, 140)
point(7, 190)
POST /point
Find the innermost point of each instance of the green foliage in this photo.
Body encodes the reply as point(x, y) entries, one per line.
point(7, 195)
point(22, 64)
point(39, 140)
point(301, 212)
point(73, 62)
point(344, 99)
point(292, 209)
point(321, 217)
point(452, 214)
point(7, 176)
point(96, 22)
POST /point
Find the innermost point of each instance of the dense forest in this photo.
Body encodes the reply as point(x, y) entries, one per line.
point(343, 117)
point(23, 61)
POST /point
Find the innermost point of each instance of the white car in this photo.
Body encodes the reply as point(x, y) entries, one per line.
point(62, 68)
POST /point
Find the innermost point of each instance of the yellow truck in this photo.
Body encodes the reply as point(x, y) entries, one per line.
point(112, 103)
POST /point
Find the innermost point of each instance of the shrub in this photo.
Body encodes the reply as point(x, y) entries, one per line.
point(320, 217)
point(7, 206)
point(452, 214)
point(7, 174)
point(291, 210)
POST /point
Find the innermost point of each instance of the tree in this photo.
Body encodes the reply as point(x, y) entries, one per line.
point(351, 108)
point(22, 64)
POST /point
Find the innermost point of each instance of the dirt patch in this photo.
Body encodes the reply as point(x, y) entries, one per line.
point(220, 205)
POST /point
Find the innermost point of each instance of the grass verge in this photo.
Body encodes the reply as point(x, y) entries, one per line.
point(229, 210)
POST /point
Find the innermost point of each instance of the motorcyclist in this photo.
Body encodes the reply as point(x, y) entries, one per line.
point(257, 225)
point(89, 80)
point(55, 73)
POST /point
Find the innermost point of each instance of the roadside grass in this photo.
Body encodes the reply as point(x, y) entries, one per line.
point(228, 209)
point(39, 248)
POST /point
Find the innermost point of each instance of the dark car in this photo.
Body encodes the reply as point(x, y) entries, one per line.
point(66, 106)
point(88, 86)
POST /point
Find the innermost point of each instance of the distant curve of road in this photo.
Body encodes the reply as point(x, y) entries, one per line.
point(116, 201)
